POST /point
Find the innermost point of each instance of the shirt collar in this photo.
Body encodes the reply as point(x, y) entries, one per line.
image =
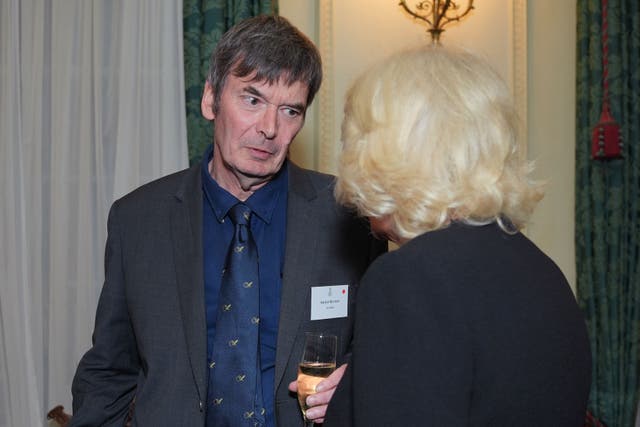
point(262, 202)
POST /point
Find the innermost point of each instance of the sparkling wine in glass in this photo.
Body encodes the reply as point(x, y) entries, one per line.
point(318, 362)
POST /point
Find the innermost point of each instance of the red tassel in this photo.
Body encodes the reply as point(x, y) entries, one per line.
point(606, 142)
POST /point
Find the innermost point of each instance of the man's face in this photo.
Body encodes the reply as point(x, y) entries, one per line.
point(254, 124)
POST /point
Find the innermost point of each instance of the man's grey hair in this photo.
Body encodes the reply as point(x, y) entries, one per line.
point(272, 48)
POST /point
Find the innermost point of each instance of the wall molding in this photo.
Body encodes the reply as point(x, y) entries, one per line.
point(519, 63)
point(327, 142)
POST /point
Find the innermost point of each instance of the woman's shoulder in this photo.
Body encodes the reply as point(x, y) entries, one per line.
point(461, 253)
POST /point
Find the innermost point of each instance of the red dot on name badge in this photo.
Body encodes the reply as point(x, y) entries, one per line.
point(344, 292)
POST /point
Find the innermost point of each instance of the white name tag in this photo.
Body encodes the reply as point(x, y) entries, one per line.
point(329, 302)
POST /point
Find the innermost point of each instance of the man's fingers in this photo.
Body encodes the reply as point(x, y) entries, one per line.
point(332, 380)
point(318, 401)
point(317, 413)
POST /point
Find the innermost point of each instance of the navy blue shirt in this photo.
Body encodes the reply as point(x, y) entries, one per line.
point(268, 227)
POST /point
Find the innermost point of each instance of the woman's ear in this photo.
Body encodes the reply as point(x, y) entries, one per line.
point(206, 105)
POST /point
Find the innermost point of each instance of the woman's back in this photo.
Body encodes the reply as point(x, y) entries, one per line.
point(470, 326)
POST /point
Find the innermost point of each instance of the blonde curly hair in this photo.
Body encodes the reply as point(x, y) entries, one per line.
point(429, 136)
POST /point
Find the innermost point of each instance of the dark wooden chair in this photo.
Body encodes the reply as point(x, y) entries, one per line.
point(61, 418)
point(58, 416)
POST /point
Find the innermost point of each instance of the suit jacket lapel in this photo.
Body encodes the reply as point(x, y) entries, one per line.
point(300, 247)
point(186, 233)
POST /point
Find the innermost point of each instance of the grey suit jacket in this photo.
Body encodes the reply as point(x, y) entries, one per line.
point(149, 341)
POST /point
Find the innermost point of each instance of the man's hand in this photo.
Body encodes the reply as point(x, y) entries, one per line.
point(324, 391)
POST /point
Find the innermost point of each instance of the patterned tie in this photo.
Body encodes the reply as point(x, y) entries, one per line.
point(235, 393)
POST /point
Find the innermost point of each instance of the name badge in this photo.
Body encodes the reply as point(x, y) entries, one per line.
point(329, 302)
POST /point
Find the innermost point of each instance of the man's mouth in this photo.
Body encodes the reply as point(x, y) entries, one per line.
point(260, 153)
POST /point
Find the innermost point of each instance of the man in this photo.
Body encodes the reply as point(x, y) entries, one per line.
point(155, 358)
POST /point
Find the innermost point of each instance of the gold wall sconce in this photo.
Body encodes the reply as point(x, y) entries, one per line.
point(438, 13)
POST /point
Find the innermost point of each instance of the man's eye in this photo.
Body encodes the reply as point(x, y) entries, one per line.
point(290, 112)
point(251, 100)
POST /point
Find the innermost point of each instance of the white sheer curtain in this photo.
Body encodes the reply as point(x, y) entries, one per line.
point(91, 106)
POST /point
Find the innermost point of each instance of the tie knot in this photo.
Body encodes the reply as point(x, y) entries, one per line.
point(240, 214)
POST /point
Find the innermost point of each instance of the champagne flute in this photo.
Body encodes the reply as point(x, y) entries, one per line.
point(318, 362)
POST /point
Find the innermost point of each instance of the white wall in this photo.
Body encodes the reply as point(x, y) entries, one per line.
point(551, 125)
point(530, 43)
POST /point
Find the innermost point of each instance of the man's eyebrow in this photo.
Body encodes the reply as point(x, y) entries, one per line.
point(253, 91)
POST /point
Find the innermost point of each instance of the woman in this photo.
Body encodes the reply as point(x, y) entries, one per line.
point(468, 323)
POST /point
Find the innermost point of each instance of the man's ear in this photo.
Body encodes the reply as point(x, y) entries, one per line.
point(206, 105)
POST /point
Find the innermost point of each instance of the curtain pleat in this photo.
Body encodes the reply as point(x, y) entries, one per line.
point(92, 106)
point(608, 208)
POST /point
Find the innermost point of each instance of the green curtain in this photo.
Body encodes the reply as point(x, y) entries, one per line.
point(204, 23)
point(607, 212)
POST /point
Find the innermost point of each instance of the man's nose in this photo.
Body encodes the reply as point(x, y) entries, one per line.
point(268, 123)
